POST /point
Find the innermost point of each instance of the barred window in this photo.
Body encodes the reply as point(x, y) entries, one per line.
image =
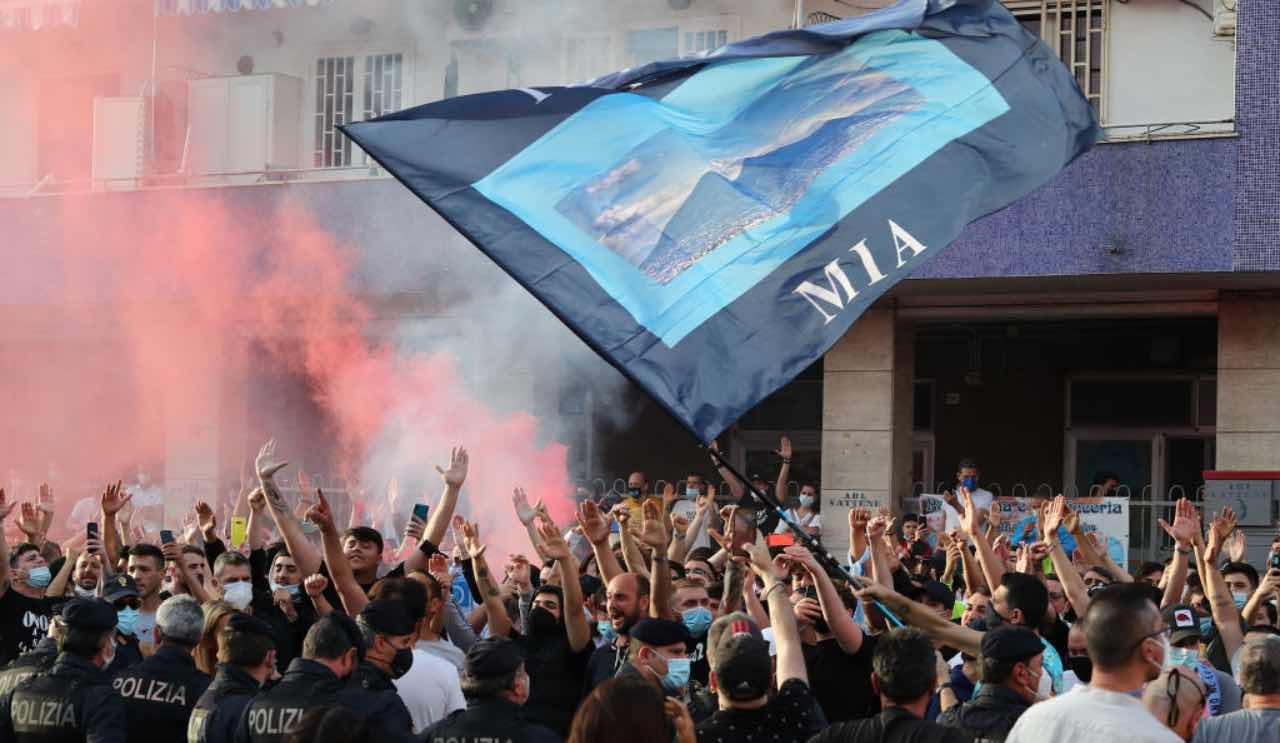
point(1076, 30)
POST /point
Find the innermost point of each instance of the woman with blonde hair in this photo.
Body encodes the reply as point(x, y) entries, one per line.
point(216, 614)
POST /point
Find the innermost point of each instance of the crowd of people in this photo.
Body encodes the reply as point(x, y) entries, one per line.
point(684, 617)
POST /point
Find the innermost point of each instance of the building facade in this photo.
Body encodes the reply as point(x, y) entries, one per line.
point(1123, 318)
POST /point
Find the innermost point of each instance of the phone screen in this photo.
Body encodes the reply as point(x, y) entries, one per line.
point(239, 530)
point(744, 531)
point(91, 529)
point(420, 511)
point(781, 540)
point(166, 536)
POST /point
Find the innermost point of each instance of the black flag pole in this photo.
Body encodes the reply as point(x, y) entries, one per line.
point(820, 553)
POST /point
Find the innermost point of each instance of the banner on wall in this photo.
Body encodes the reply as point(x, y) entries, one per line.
point(1106, 517)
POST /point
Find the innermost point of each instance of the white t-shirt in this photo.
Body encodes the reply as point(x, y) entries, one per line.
point(813, 520)
point(430, 690)
point(688, 509)
point(981, 499)
point(1088, 714)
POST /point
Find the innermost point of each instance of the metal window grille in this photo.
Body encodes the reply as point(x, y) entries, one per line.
point(334, 94)
point(702, 41)
point(1076, 30)
point(383, 77)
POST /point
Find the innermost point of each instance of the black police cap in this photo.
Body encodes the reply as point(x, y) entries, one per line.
point(492, 657)
point(659, 632)
point(1010, 643)
point(387, 617)
point(89, 614)
point(251, 625)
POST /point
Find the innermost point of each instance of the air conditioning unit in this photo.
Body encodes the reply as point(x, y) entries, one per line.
point(1224, 17)
point(119, 126)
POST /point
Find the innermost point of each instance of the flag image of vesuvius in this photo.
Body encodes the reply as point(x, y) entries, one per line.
point(711, 225)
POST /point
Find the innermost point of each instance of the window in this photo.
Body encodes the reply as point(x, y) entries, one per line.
point(352, 88)
point(704, 41)
point(1076, 30)
point(587, 57)
point(652, 44)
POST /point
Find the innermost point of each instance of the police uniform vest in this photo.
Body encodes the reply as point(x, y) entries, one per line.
point(159, 694)
point(219, 709)
point(278, 712)
point(371, 692)
point(486, 720)
point(28, 664)
point(64, 705)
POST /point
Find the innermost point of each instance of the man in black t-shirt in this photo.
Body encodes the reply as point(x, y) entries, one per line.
point(24, 610)
point(905, 675)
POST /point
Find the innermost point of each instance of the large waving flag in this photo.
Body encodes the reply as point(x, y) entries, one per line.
point(712, 225)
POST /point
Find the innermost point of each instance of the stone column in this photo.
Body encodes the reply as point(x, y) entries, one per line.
point(1248, 383)
point(866, 422)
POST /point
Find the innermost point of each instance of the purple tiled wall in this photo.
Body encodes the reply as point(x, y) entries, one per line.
point(1257, 177)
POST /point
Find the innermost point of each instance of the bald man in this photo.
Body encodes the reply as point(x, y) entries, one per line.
point(1176, 698)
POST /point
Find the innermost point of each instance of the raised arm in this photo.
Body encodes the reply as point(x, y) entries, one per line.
point(453, 477)
point(880, 570)
point(682, 543)
point(782, 618)
point(992, 565)
point(303, 552)
point(257, 501)
point(575, 622)
point(858, 519)
point(631, 554)
point(6, 508)
point(527, 514)
point(499, 622)
point(114, 498)
point(595, 527)
point(920, 616)
point(736, 487)
point(315, 586)
point(1185, 528)
point(847, 632)
point(654, 534)
point(344, 578)
point(1225, 615)
point(784, 471)
point(1056, 515)
point(1266, 587)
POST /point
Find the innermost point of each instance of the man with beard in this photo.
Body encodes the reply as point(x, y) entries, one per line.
point(627, 602)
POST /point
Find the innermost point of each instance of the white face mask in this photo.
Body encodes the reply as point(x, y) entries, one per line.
point(84, 593)
point(238, 594)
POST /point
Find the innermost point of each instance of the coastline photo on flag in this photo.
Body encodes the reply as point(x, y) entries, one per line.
point(712, 225)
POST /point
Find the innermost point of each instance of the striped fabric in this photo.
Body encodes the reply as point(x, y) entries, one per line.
point(34, 15)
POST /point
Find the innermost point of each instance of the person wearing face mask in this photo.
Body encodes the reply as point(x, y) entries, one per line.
point(389, 632)
point(160, 692)
point(122, 593)
point(330, 652)
point(73, 701)
point(235, 575)
point(1221, 691)
point(246, 659)
point(633, 499)
point(430, 689)
point(1012, 661)
point(497, 686)
point(37, 661)
point(692, 605)
point(1078, 664)
point(659, 651)
point(24, 608)
point(1128, 643)
point(968, 477)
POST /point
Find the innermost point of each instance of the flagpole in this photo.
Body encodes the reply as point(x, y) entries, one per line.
point(819, 552)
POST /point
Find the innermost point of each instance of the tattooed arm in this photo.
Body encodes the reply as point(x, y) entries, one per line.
point(304, 553)
point(499, 622)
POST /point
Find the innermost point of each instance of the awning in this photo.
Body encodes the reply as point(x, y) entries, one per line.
point(200, 7)
point(33, 15)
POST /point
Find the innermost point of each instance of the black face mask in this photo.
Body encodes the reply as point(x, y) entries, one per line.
point(401, 663)
point(1082, 665)
point(541, 621)
point(993, 618)
point(633, 492)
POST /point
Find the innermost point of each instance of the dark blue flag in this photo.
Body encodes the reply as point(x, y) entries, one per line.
point(712, 225)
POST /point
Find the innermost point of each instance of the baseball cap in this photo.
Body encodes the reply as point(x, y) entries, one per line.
point(739, 658)
point(120, 586)
point(1010, 643)
point(493, 656)
point(1182, 622)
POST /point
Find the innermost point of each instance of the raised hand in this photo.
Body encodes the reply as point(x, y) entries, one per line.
point(876, 527)
point(1071, 520)
point(29, 522)
point(6, 507)
point(438, 567)
point(320, 514)
point(456, 474)
point(553, 543)
point(595, 527)
point(45, 500)
point(471, 539)
point(206, 519)
point(114, 498)
point(315, 584)
point(1052, 518)
point(679, 523)
point(257, 499)
point(1184, 528)
point(265, 463)
point(1236, 547)
point(969, 517)
point(784, 450)
point(801, 555)
point(653, 532)
point(763, 565)
point(525, 512)
point(518, 572)
point(1220, 528)
point(858, 518)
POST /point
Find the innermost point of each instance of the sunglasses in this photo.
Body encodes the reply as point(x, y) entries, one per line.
point(131, 602)
point(1172, 687)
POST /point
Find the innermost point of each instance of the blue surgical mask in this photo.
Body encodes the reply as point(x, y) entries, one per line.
point(292, 590)
point(806, 500)
point(126, 621)
point(1239, 599)
point(677, 674)
point(1189, 657)
point(39, 577)
point(970, 483)
point(605, 627)
point(691, 493)
point(697, 620)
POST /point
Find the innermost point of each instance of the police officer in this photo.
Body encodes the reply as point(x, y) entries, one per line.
point(330, 652)
point(389, 634)
point(122, 593)
point(496, 685)
point(74, 701)
point(246, 659)
point(1012, 662)
point(39, 660)
point(160, 692)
